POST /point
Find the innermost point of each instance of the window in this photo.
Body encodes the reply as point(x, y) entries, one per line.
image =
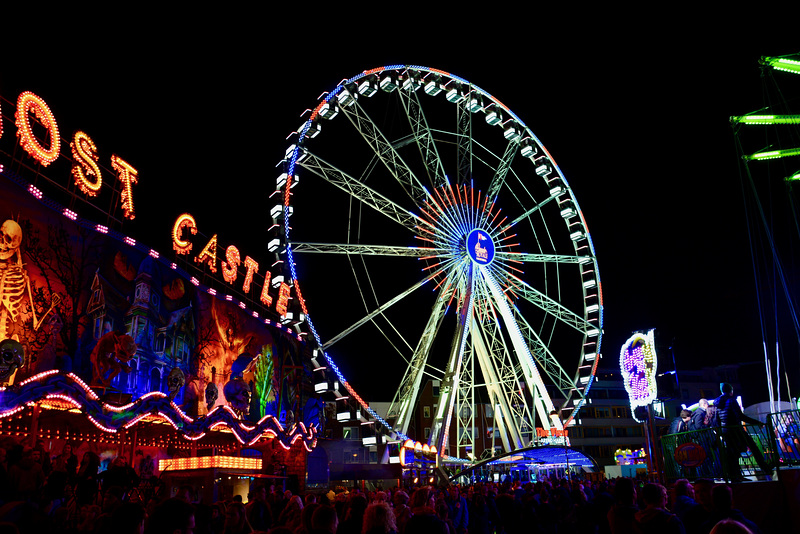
point(427, 432)
point(621, 412)
point(426, 412)
point(489, 411)
point(436, 384)
point(602, 413)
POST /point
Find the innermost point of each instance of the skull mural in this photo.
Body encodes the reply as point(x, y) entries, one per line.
point(12, 357)
point(238, 394)
point(212, 394)
point(175, 381)
point(10, 239)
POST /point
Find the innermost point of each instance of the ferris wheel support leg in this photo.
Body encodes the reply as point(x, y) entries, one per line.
point(444, 413)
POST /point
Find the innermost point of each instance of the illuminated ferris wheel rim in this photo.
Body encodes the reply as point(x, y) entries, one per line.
point(444, 79)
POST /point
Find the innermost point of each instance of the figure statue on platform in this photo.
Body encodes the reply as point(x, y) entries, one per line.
point(111, 354)
point(14, 281)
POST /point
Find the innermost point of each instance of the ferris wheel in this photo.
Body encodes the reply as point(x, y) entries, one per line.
point(440, 241)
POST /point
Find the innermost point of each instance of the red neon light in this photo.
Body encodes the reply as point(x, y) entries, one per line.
point(30, 103)
point(128, 176)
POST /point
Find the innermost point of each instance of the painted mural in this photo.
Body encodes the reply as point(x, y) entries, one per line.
point(78, 301)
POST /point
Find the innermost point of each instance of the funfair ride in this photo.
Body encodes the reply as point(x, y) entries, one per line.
point(462, 247)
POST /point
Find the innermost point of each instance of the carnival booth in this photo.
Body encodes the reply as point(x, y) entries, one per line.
point(173, 359)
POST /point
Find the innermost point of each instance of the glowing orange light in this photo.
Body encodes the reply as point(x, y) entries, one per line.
point(128, 176)
point(27, 103)
point(266, 298)
point(209, 254)
point(85, 153)
point(229, 267)
point(283, 299)
point(209, 462)
point(181, 245)
point(252, 268)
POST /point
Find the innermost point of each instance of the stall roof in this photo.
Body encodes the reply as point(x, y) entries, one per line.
point(541, 456)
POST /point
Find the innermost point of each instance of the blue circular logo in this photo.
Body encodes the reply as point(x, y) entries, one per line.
point(480, 247)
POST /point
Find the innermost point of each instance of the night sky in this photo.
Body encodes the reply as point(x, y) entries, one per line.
point(637, 123)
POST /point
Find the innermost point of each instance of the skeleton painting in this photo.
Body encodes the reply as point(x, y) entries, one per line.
point(14, 281)
point(238, 394)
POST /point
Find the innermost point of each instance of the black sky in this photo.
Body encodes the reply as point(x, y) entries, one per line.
point(637, 121)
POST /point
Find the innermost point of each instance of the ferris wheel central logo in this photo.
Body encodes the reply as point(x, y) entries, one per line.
point(480, 247)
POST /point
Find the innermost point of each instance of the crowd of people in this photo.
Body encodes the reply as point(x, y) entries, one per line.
point(63, 495)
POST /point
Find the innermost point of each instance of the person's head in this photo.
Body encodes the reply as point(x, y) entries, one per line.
point(654, 495)
point(173, 516)
point(683, 488)
point(260, 493)
point(184, 493)
point(725, 388)
point(423, 496)
point(67, 450)
point(703, 403)
point(686, 415)
point(325, 519)
point(400, 498)
point(379, 517)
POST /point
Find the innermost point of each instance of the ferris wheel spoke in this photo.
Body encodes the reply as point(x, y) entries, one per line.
point(555, 309)
point(546, 360)
point(499, 177)
point(358, 190)
point(383, 307)
point(534, 209)
point(384, 150)
point(359, 249)
point(533, 379)
point(502, 382)
point(440, 431)
point(404, 401)
point(464, 141)
point(422, 134)
point(526, 257)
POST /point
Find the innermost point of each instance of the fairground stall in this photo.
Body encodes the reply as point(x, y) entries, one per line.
point(173, 359)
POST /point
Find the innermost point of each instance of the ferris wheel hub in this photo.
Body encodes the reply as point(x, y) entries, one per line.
point(480, 247)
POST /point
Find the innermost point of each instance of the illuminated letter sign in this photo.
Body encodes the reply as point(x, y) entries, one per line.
point(638, 361)
point(181, 245)
point(283, 299)
point(266, 298)
point(252, 268)
point(29, 102)
point(209, 255)
point(480, 247)
point(128, 176)
point(85, 153)
point(229, 268)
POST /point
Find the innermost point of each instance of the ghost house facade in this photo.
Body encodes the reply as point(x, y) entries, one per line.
point(163, 329)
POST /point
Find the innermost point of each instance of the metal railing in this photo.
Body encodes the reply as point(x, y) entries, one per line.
point(708, 453)
point(785, 427)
